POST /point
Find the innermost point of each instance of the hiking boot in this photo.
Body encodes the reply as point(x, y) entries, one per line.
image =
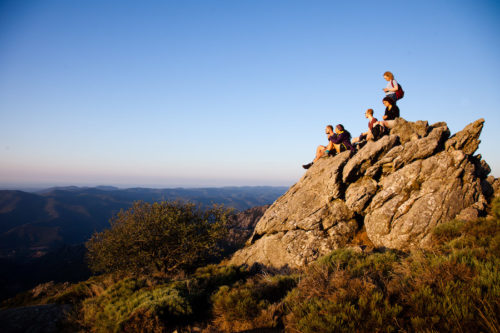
point(307, 166)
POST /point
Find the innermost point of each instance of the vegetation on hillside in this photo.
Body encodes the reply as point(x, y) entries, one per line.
point(158, 237)
point(454, 286)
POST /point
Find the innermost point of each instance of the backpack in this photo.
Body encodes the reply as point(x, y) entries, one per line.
point(378, 131)
point(400, 92)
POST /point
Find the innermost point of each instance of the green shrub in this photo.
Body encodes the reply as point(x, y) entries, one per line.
point(205, 281)
point(213, 276)
point(94, 286)
point(238, 303)
point(453, 287)
point(252, 304)
point(129, 301)
point(496, 208)
point(151, 304)
point(445, 232)
point(345, 291)
point(164, 237)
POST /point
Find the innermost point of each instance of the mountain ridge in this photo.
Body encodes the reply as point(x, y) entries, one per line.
point(69, 215)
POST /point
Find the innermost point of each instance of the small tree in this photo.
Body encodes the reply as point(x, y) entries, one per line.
point(165, 236)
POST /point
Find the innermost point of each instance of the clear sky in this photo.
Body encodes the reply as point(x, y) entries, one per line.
point(216, 93)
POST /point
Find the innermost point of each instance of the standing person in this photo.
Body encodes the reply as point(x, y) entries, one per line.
point(392, 86)
point(368, 134)
point(391, 113)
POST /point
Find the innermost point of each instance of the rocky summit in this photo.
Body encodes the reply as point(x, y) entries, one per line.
point(393, 191)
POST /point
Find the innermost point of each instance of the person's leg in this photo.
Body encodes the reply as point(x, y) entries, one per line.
point(320, 151)
point(389, 123)
point(337, 148)
point(386, 123)
point(393, 97)
point(369, 136)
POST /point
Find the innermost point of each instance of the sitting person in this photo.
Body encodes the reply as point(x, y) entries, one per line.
point(368, 134)
point(342, 140)
point(391, 113)
point(392, 86)
point(322, 150)
point(337, 142)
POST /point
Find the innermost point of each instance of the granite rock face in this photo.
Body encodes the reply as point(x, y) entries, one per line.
point(397, 189)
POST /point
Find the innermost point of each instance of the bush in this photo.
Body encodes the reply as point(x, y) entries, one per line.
point(164, 237)
point(151, 304)
point(93, 287)
point(210, 277)
point(253, 304)
point(345, 291)
point(496, 208)
point(130, 301)
point(454, 287)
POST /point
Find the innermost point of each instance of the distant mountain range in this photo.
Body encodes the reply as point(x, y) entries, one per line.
point(32, 223)
point(42, 255)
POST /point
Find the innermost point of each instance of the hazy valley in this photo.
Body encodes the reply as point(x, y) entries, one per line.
point(42, 234)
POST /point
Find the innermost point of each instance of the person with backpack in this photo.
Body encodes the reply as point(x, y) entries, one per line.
point(393, 90)
point(337, 142)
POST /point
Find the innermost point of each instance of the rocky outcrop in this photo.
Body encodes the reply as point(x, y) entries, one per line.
point(397, 189)
point(466, 140)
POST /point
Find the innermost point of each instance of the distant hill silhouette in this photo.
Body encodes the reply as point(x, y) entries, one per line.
point(67, 263)
point(63, 264)
point(32, 223)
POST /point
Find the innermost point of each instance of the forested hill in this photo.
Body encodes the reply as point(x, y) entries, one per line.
point(34, 221)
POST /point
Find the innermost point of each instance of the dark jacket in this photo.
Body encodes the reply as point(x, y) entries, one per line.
point(393, 113)
point(344, 139)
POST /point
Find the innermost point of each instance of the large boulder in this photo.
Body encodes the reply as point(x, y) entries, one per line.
point(467, 140)
point(314, 192)
point(412, 150)
point(408, 131)
point(397, 189)
point(416, 198)
point(367, 156)
point(308, 221)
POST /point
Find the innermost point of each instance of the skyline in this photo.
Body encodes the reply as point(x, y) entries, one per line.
point(225, 93)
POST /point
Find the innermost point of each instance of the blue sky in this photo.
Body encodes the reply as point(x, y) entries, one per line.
point(216, 93)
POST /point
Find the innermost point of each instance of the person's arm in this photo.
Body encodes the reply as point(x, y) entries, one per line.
point(330, 146)
point(372, 123)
